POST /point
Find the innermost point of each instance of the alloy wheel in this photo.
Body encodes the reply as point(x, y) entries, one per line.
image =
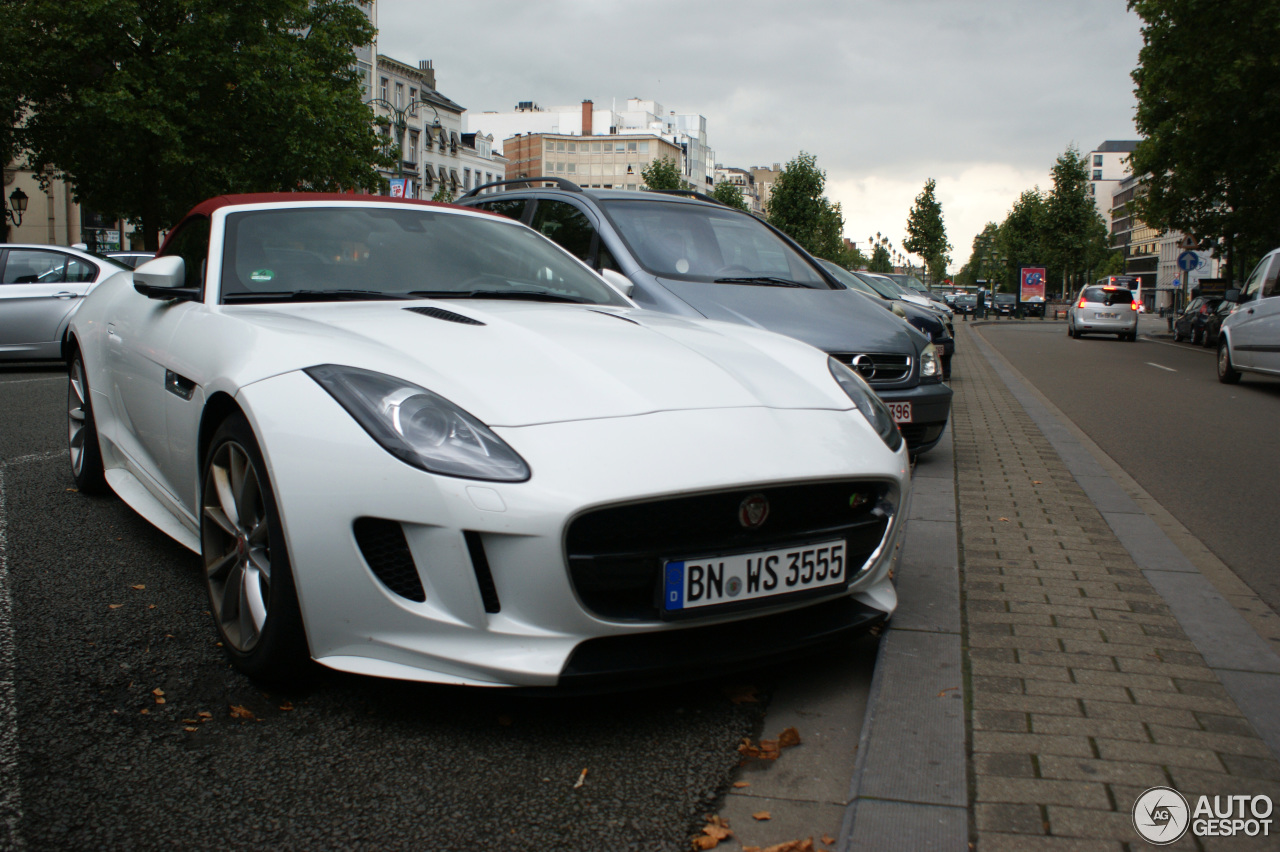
point(76, 416)
point(237, 545)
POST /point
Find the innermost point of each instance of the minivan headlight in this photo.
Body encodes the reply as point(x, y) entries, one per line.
point(419, 427)
point(867, 402)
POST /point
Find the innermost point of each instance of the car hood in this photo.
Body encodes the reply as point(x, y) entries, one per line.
point(832, 320)
point(524, 363)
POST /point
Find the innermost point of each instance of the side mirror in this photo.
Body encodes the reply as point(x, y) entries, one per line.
point(163, 278)
point(1232, 295)
point(618, 280)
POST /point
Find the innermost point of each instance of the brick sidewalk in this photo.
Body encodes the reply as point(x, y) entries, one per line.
point(1085, 690)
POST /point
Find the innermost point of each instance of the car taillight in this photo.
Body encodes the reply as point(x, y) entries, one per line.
point(1081, 305)
point(1133, 306)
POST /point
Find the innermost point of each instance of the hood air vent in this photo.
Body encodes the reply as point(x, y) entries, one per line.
point(447, 316)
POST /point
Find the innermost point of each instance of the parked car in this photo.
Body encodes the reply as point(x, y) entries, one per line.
point(927, 322)
point(1004, 304)
point(1033, 307)
point(966, 303)
point(696, 257)
point(1213, 323)
point(1191, 324)
point(912, 284)
point(414, 441)
point(40, 288)
point(131, 259)
point(1103, 310)
point(1249, 341)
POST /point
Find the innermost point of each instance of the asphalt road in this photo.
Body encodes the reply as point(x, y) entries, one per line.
point(102, 617)
point(1208, 452)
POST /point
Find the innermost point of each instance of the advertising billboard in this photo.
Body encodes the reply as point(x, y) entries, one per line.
point(1031, 288)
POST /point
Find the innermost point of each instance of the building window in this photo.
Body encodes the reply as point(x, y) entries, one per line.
point(413, 94)
point(1097, 174)
point(383, 88)
point(1097, 161)
point(399, 95)
point(466, 178)
point(411, 155)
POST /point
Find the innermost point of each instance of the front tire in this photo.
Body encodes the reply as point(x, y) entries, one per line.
point(82, 431)
point(1227, 373)
point(246, 562)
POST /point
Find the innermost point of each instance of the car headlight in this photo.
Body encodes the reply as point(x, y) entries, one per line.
point(419, 427)
point(867, 402)
point(930, 366)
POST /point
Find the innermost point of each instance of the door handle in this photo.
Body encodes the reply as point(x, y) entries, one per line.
point(63, 295)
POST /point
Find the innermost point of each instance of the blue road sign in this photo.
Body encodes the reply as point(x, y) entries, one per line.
point(1188, 261)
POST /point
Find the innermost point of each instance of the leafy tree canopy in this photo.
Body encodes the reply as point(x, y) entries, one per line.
point(663, 174)
point(798, 208)
point(1208, 89)
point(1021, 238)
point(1075, 237)
point(149, 106)
point(926, 234)
point(729, 193)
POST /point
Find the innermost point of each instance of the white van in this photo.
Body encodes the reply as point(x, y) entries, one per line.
point(1250, 337)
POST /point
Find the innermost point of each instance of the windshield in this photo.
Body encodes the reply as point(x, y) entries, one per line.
point(700, 242)
point(847, 278)
point(885, 285)
point(113, 261)
point(359, 252)
point(1005, 298)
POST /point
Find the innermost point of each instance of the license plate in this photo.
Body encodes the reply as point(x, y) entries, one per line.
point(707, 581)
point(1101, 315)
point(901, 411)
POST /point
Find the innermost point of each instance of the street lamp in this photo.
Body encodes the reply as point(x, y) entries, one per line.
point(18, 203)
point(401, 123)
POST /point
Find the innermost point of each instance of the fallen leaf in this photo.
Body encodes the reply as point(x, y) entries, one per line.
point(192, 721)
point(238, 712)
point(741, 784)
point(789, 738)
point(73, 489)
point(159, 700)
point(790, 846)
point(190, 729)
point(144, 711)
point(943, 693)
point(741, 694)
point(704, 842)
point(1006, 520)
point(828, 839)
point(1035, 482)
point(153, 606)
point(205, 714)
point(581, 780)
point(157, 691)
point(114, 606)
point(762, 816)
point(287, 706)
point(139, 587)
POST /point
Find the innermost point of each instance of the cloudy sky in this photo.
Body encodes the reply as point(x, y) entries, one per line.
point(981, 95)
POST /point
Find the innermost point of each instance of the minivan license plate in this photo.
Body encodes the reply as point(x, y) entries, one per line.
point(901, 411)
point(707, 581)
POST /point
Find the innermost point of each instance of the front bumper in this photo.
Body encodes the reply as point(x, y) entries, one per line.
point(328, 473)
point(930, 408)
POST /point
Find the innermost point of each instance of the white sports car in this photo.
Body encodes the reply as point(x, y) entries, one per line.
point(423, 442)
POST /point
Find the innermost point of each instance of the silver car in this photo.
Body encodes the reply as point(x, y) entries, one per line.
point(1249, 341)
point(40, 287)
point(1103, 309)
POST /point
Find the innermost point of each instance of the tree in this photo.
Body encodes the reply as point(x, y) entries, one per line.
point(443, 193)
point(1074, 236)
point(1021, 239)
point(984, 258)
point(663, 174)
point(798, 208)
point(926, 235)
point(1208, 89)
point(149, 106)
point(1112, 265)
point(729, 193)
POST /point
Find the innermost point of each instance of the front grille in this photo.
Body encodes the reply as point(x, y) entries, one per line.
point(616, 553)
point(877, 368)
point(384, 548)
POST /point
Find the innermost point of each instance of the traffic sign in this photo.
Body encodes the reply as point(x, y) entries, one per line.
point(1188, 261)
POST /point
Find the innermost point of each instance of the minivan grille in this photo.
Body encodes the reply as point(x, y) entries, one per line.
point(877, 368)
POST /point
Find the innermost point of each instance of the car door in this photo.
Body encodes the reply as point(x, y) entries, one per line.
point(39, 288)
point(140, 338)
point(1247, 326)
point(1264, 320)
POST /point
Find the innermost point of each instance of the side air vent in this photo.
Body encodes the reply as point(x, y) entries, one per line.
point(383, 545)
point(484, 577)
point(447, 316)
